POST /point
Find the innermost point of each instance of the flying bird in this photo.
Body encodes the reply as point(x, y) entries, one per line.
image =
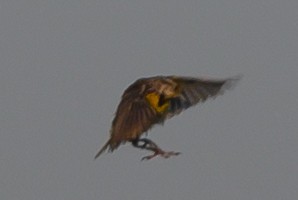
point(150, 101)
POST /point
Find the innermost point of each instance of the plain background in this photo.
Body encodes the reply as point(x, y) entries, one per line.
point(65, 63)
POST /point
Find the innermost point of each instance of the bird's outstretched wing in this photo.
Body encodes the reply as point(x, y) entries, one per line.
point(196, 90)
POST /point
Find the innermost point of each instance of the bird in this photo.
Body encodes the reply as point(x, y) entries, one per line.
point(153, 100)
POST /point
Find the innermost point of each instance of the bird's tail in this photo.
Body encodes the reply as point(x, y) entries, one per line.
point(102, 149)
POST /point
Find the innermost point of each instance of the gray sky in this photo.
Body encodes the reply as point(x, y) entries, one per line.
point(64, 65)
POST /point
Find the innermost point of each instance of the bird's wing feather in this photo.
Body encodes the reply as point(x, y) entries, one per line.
point(196, 90)
point(133, 117)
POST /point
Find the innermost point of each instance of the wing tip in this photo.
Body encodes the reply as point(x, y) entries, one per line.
point(230, 83)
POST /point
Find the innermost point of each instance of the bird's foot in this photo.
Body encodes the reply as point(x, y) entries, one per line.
point(144, 143)
point(164, 154)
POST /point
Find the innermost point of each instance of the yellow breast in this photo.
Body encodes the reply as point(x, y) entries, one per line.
point(153, 99)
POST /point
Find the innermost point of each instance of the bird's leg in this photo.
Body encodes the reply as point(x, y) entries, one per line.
point(144, 143)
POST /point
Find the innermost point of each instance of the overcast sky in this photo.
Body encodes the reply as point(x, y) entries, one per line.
point(65, 63)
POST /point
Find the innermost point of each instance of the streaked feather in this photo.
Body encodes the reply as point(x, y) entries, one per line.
point(196, 90)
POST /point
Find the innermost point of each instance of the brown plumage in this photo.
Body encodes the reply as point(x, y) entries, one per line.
point(150, 101)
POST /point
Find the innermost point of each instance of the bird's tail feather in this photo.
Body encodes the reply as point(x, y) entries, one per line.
point(102, 149)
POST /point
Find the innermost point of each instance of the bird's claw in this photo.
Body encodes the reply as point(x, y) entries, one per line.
point(162, 154)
